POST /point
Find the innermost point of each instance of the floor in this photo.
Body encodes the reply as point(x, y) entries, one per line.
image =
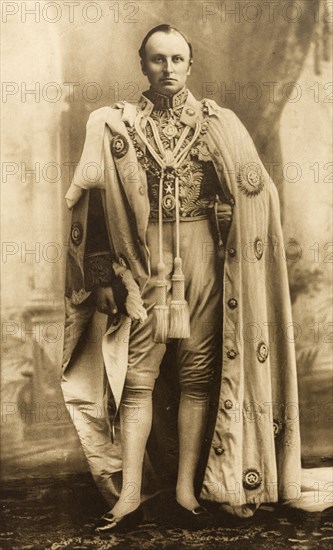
point(59, 512)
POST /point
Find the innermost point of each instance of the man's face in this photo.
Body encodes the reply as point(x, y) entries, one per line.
point(167, 62)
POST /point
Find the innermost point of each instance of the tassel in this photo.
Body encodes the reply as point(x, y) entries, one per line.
point(161, 310)
point(161, 324)
point(179, 310)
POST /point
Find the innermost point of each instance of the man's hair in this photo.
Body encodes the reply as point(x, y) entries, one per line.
point(161, 28)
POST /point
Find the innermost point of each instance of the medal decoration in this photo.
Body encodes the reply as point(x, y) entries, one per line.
point(173, 323)
point(170, 131)
point(250, 180)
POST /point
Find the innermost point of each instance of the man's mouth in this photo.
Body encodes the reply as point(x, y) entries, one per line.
point(168, 80)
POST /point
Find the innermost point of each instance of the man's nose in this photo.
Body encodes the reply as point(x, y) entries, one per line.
point(168, 66)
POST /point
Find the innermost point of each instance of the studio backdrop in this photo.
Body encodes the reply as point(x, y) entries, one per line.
point(267, 61)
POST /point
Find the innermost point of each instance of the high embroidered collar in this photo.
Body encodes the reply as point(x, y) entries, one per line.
point(163, 102)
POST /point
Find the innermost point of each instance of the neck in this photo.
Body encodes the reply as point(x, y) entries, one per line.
point(163, 102)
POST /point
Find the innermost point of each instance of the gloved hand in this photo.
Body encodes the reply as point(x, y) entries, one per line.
point(124, 298)
point(105, 300)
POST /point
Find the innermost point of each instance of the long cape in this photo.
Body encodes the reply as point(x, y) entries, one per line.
point(253, 449)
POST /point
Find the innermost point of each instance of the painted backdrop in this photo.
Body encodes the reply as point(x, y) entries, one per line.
point(268, 61)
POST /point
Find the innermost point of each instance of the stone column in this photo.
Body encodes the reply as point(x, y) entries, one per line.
point(33, 190)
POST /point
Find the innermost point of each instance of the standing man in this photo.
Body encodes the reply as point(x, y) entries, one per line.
point(177, 237)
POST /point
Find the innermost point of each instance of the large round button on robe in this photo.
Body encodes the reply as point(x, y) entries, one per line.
point(262, 352)
point(232, 252)
point(231, 354)
point(228, 404)
point(219, 451)
point(258, 248)
point(232, 303)
point(277, 427)
point(76, 233)
point(251, 479)
point(119, 146)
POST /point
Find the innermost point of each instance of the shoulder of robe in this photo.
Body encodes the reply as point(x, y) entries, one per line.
point(231, 126)
point(122, 110)
point(222, 112)
point(101, 115)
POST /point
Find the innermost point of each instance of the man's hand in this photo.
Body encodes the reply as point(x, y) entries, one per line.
point(224, 213)
point(105, 301)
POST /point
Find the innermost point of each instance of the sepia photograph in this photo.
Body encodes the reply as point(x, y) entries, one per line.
point(166, 274)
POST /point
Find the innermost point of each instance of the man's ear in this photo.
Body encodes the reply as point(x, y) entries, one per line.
point(143, 67)
point(189, 67)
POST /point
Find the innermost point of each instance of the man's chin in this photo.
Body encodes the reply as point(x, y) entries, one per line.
point(168, 88)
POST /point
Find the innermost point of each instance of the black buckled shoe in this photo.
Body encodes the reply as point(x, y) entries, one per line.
point(198, 518)
point(109, 523)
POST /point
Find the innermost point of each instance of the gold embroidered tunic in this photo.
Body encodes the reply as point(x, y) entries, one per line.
point(198, 182)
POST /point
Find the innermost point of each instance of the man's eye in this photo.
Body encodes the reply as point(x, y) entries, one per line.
point(177, 58)
point(158, 59)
